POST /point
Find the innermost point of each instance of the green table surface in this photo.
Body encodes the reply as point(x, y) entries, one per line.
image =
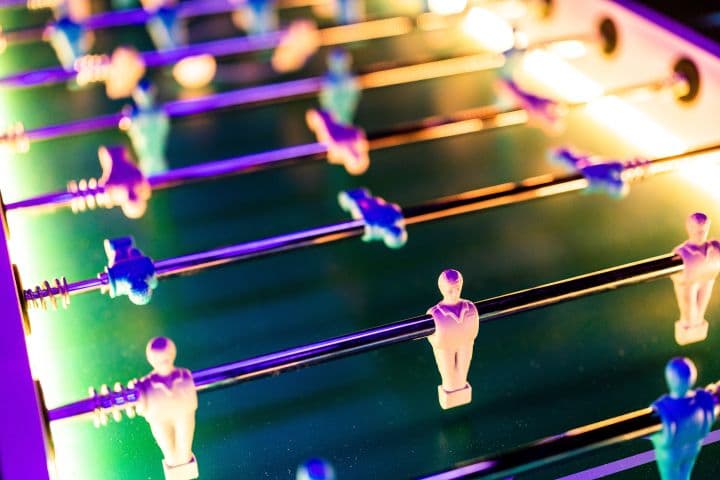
point(374, 415)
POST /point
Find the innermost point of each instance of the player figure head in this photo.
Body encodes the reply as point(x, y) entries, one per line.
point(315, 469)
point(698, 227)
point(339, 61)
point(160, 353)
point(126, 69)
point(680, 374)
point(450, 284)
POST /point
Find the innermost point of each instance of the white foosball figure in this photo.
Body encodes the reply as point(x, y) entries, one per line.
point(168, 402)
point(456, 326)
point(693, 286)
point(125, 71)
point(195, 72)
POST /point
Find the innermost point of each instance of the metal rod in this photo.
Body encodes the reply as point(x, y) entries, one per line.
point(423, 325)
point(136, 16)
point(369, 30)
point(630, 426)
point(266, 94)
point(77, 127)
point(234, 166)
point(199, 261)
point(43, 203)
point(410, 329)
point(472, 201)
point(431, 128)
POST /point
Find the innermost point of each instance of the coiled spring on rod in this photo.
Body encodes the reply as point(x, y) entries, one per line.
point(48, 293)
point(114, 403)
point(15, 138)
point(92, 69)
point(636, 170)
point(87, 195)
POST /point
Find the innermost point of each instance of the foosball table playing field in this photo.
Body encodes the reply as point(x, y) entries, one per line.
point(266, 235)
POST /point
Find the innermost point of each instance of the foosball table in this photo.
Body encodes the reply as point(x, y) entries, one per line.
point(277, 185)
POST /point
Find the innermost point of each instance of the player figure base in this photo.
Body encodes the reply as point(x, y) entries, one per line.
point(455, 398)
point(187, 471)
point(685, 334)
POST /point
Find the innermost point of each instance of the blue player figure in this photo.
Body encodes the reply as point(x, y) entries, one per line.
point(148, 127)
point(66, 35)
point(344, 12)
point(350, 11)
point(129, 272)
point(315, 469)
point(165, 27)
point(69, 40)
point(340, 91)
point(168, 30)
point(383, 221)
point(687, 417)
point(603, 175)
point(257, 16)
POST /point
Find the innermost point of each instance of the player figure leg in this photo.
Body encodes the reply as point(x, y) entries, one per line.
point(184, 432)
point(703, 298)
point(691, 327)
point(165, 437)
point(454, 390)
point(462, 366)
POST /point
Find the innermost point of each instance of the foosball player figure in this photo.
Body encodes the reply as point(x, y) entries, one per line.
point(168, 402)
point(340, 92)
point(687, 417)
point(693, 286)
point(256, 16)
point(456, 327)
point(315, 469)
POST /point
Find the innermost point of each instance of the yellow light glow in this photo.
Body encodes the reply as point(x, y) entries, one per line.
point(705, 177)
point(447, 7)
point(490, 31)
point(634, 127)
point(621, 118)
point(511, 10)
point(558, 78)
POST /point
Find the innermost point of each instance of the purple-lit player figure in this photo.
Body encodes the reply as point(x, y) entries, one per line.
point(603, 175)
point(346, 145)
point(123, 182)
point(542, 112)
point(168, 402)
point(693, 286)
point(456, 327)
point(687, 416)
